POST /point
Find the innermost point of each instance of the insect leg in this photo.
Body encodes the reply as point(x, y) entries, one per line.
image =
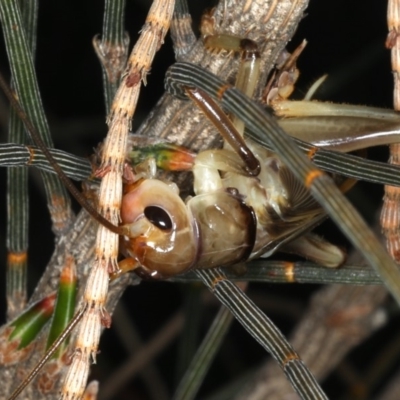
point(340, 127)
point(320, 185)
point(226, 128)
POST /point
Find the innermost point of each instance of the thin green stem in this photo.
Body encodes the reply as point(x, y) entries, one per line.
point(262, 329)
point(17, 227)
point(17, 195)
point(24, 78)
point(271, 271)
point(16, 155)
point(205, 354)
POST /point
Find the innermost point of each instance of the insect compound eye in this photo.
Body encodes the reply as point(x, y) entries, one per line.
point(158, 217)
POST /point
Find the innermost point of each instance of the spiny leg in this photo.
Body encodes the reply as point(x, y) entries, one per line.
point(246, 81)
point(324, 190)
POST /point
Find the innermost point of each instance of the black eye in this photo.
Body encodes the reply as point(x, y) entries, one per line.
point(158, 217)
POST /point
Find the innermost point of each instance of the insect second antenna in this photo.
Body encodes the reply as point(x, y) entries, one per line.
point(320, 185)
point(35, 136)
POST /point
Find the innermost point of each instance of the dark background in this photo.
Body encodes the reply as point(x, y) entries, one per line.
point(346, 40)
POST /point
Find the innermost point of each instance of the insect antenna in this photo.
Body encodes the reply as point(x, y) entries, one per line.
point(64, 178)
point(80, 199)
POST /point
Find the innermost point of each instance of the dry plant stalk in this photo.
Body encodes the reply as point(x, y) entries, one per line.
point(110, 194)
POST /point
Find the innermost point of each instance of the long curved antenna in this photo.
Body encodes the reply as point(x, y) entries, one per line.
point(323, 189)
point(67, 182)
